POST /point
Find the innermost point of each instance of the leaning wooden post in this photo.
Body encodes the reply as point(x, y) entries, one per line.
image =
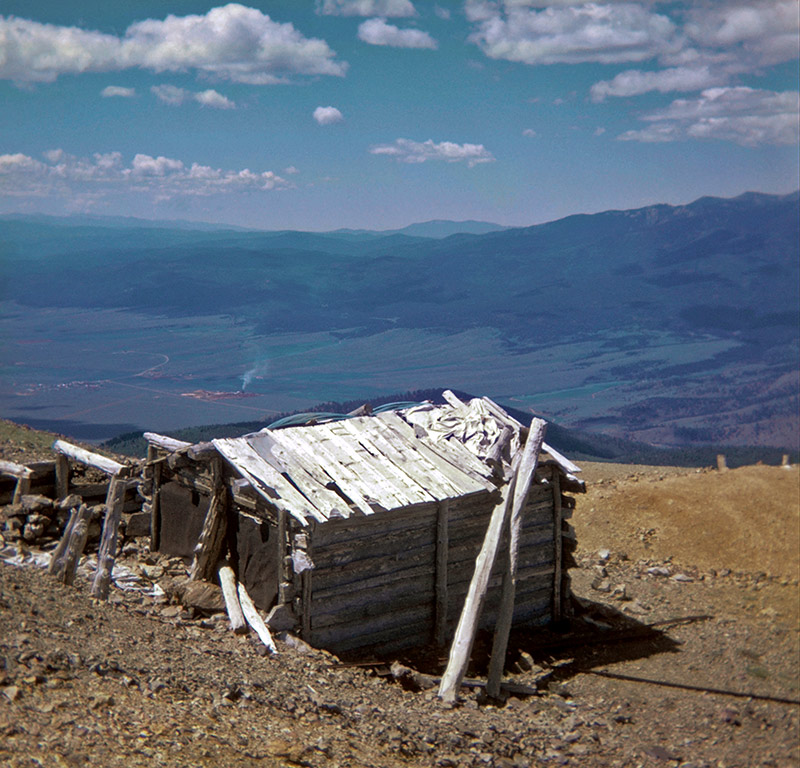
point(505, 616)
point(461, 647)
point(212, 538)
point(23, 485)
point(254, 620)
point(227, 581)
point(106, 555)
point(65, 561)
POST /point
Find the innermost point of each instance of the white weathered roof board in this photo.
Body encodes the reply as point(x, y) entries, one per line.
point(368, 464)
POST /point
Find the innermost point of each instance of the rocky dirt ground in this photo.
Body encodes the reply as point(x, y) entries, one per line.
point(681, 654)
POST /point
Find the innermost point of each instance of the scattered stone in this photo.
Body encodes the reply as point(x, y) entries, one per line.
point(619, 592)
point(682, 577)
point(603, 555)
point(14, 510)
point(658, 570)
point(138, 524)
point(12, 692)
point(69, 502)
point(200, 595)
point(525, 662)
point(281, 618)
point(636, 607)
point(36, 503)
point(152, 572)
point(601, 585)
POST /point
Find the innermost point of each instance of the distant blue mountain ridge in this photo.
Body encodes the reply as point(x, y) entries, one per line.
point(688, 311)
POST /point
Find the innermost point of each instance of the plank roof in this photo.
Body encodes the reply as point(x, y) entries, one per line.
point(363, 465)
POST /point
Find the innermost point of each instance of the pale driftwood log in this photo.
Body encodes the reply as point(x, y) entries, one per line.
point(505, 615)
point(200, 451)
point(362, 410)
point(442, 548)
point(107, 553)
point(461, 647)
point(227, 581)
point(167, 443)
point(12, 468)
point(495, 457)
point(722, 464)
point(209, 546)
point(62, 476)
point(254, 620)
point(65, 560)
point(103, 463)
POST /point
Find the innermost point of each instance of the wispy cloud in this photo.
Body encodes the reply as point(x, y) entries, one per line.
point(385, 8)
point(174, 96)
point(408, 151)
point(328, 115)
point(379, 32)
point(232, 42)
point(111, 91)
point(60, 173)
point(746, 116)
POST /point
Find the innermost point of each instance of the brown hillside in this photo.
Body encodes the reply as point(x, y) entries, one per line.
point(746, 519)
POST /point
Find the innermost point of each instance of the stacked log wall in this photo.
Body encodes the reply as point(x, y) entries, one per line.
point(373, 582)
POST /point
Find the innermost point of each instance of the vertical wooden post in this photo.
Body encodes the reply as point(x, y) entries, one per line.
point(305, 581)
point(106, 555)
point(281, 551)
point(505, 615)
point(442, 552)
point(155, 494)
point(722, 465)
point(212, 538)
point(62, 476)
point(557, 547)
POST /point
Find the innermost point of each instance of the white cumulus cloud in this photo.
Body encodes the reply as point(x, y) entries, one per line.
point(60, 173)
point(634, 82)
point(379, 32)
point(385, 8)
point(211, 98)
point(571, 34)
point(117, 90)
point(328, 115)
point(232, 42)
point(408, 151)
point(746, 116)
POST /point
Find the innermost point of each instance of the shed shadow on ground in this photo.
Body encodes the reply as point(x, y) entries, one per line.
point(546, 657)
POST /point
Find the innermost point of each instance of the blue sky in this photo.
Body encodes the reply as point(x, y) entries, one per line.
point(380, 113)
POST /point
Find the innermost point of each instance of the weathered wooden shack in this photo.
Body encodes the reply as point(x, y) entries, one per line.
point(363, 532)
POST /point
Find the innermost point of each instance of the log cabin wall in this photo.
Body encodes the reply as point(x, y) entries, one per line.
point(374, 582)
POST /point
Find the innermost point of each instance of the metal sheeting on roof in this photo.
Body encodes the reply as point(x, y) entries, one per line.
point(368, 463)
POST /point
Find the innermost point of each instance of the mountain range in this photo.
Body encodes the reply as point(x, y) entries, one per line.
point(668, 324)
